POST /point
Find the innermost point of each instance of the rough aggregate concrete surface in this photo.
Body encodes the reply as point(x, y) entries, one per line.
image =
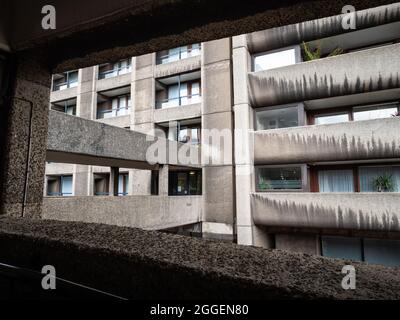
point(153, 265)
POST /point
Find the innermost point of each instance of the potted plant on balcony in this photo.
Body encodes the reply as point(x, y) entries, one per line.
point(383, 183)
point(314, 54)
point(263, 184)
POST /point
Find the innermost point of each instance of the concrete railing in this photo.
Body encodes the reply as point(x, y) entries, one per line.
point(114, 82)
point(146, 212)
point(139, 264)
point(370, 139)
point(177, 67)
point(346, 74)
point(355, 211)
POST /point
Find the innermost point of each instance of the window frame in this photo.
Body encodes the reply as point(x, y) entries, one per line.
point(301, 116)
point(298, 57)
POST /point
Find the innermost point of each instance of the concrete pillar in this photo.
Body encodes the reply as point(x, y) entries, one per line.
point(163, 180)
point(114, 178)
point(217, 122)
point(25, 152)
point(247, 233)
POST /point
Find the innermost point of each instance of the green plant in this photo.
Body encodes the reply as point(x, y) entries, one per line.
point(383, 183)
point(263, 184)
point(314, 54)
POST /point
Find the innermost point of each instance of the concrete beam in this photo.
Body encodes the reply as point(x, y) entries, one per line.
point(81, 141)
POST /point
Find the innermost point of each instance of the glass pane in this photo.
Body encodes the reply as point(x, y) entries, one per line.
point(183, 135)
point(336, 181)
point(194, 183)
point(279, 178)
point(277, 118)
point(66, 185)
point(73, 79)
point(374, 114)
point(385, 252)
point(70, 110)
point(181, 183)
point(342, 248)
point(275, 60)
point(330, 119)
point(379, 179)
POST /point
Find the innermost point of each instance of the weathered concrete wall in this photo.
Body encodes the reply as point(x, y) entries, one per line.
point(346, 74)
point(285, 36)
point(146, 212)
point(24, 152)
point(369, 139)
point(356, 211)
point(114, 82)
point(140, 264)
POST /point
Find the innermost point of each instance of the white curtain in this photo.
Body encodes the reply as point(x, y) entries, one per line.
point(336, 181)
point(369, 174)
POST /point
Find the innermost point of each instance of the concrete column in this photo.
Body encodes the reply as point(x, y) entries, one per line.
point(247, 233)
point(163, 180)
point(114, 178)
point(25, 149)
point(217, 124)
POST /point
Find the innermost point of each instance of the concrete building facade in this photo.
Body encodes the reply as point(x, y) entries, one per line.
point(311, 139)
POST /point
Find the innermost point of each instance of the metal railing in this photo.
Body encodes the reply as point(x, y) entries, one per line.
point(102, 114)
point(178, 101)
point(181, 54)
point(68, 84)
point(110, 73)
point(59, 194)
point(24, 283)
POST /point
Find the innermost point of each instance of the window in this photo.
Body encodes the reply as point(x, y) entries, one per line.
point(110, 70)
point(342, 248)
point(332, 118)
point(189, 133)
point(181, 94)
point(277, 59)
point(277, 118)
point(375, 251)
point(369, 179)
point(154, 182)
point(336, 181)
point(59, 185)
point(66, 106)
point(179, 53)
point(358, 113)
point(271, 178)
point(101, 184)
point(123, 184)
point(184, 183)
point(114, 106)
point(375, 112)
point(65, 80)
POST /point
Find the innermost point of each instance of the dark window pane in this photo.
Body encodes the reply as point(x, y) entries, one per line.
point(278, 178)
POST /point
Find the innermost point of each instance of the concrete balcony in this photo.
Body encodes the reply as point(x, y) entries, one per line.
point(177, 113)
point(352, 73)
point(114, 82)
point(178, 67)
point(354, 211)
point(146, 212)
point(65, 94)
point(370, 139)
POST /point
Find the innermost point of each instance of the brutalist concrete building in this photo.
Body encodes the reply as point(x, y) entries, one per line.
point(308, 153)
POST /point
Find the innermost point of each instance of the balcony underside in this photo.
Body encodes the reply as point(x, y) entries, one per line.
point(352, 211)
point(352, 73)
point(363, 140)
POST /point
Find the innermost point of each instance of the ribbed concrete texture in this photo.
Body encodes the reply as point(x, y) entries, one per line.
point(145, 264)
